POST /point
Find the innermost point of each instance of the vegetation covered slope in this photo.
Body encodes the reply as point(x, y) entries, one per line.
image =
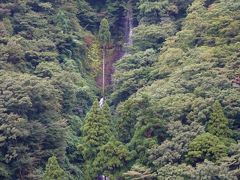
point(45, 90)
point(164, 94)
point(173, 114)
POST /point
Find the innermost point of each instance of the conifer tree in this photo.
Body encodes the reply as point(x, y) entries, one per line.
point(218, 123)
point(111, 157)
point(96, 131)
point(53, 170)
point(62, 21)
point(104, 37)
point(104, 32)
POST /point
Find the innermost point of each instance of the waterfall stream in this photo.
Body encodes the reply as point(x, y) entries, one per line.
point(112, 55)
point(129, 24)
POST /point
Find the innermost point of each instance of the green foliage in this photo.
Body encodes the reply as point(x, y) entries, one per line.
point(94, 58)
point(206, 146)
point(53, 170)
point(111, 158)
point(151, 36)
point(195, 66)
point(43, 83)
point(172, 150)
point(132, 73)
point(29, 110)
point(218, 123)
point(181, 172)
point(139, 172)
point(62, 21)
point(104, 33)
point(87, 15)
point(205, 170)
point(96, 131)
point(184, 56)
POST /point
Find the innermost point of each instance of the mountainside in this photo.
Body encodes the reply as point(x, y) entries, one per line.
point(171, 85)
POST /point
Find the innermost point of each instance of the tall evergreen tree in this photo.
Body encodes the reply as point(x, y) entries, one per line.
point(96, 131)
point(53, 170)
point(104, 37)
point(218, 123)
point(104, 32)
point(62, 21)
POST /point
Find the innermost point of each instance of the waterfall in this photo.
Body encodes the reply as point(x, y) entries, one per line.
point(130, 24)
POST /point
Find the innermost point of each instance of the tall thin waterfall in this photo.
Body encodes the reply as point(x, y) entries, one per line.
point(130, 24)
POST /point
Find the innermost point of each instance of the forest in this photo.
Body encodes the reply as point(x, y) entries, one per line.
point(167, 73)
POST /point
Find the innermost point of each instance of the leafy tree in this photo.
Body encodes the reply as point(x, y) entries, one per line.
point(53, 170)
point(94, 58)
point(210, 170)
point(136, 68)
point(151, 36)
point(171, 172)
point(218, 123)
point(139, 172)
point(111, 158)
point(62, 21)
point(173, 149)
point(206, 146)
point(31, 127)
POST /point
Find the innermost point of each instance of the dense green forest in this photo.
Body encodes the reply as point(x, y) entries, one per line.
point(171, 106)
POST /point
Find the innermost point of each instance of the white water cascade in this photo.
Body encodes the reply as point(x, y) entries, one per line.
point(130, 24)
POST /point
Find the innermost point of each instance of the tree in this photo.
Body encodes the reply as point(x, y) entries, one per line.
point(62, 21)
point(218, 123)
point(111, 157)
point(206, 146)
point(30, 123)
point(174, 171)
point(172, 150)
point(104, 33)
point(96, 131)
point(53, 170)
point(104, 37)
point(139, 172)
point(94, 58)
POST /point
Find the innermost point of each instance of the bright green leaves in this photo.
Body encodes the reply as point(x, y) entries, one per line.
point(104, 33)
point(151, 36)
point(206, 146)
point(172, 150)
point(102, 153)
point(53, 170)
point(62, 21)
point(29, 119)
point(139, 172)
point(94, 58)
point(96, 131)
point(218, 123)
point(111, 157)
point(212, 145)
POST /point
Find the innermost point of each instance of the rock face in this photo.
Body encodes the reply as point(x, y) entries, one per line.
point(115, 53)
